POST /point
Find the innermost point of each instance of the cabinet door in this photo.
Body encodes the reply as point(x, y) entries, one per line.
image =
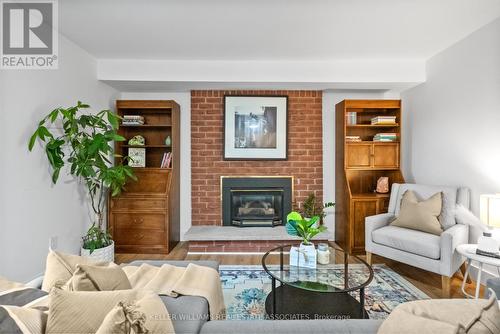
point(358, 155)
point(360, 210)
point(386, 155)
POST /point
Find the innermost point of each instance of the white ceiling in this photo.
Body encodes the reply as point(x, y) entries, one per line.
point(271, 29)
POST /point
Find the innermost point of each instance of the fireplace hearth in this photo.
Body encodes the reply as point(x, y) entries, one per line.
point(256, 201)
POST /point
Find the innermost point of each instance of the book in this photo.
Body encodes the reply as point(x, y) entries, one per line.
point(378, 120)
point(385, 137)
point(352, 138)
point(132, 120)
point(133, 117)
point(167, 160)
point(351, 118)
point(163, 159)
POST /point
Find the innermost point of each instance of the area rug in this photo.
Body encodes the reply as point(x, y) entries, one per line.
point(245, 290)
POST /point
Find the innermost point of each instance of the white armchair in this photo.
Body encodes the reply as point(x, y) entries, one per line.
point(419, 249)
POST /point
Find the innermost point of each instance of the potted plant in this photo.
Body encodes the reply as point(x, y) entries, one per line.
point(84, 144)
point(313, 207)
point(306, 229)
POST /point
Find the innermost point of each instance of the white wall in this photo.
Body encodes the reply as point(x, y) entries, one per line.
point(454, 138)
point(330, 99)
point(32, 210)
point(184, 100)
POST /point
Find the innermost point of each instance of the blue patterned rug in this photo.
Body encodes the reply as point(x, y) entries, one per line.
point(246, 288)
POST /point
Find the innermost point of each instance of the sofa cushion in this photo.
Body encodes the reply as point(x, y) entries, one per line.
point(188, 313)
point(336, 326)
point(420, 215)
point(447, 217)
point(98, 278)
point(406, 240)
point(60, 268)
point(83, 311)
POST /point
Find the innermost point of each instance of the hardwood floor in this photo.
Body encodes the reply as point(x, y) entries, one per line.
point(428, 282)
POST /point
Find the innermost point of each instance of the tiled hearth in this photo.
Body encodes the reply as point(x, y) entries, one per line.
point(209, 239)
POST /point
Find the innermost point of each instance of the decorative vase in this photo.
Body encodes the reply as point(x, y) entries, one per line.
point(168, 141)
point(105, 254)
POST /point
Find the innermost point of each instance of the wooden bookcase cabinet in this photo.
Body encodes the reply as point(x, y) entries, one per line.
point(145, 218)
point(359, 165)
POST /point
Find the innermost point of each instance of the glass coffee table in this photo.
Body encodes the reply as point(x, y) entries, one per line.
point(327, 292)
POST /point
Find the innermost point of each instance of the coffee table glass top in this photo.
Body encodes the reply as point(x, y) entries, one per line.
point(344, 272)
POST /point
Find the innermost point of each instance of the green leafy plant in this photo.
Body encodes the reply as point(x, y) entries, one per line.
point(304, 228)
point(313, 207)
point(84, 144)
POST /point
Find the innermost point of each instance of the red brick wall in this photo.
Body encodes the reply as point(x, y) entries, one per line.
point(305, 152)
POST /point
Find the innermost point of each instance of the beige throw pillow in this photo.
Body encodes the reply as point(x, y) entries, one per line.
point(60, 267)
point(147, 315)
point(99, 278)
point(421, 216)
point(444, 316)
point(74, 312)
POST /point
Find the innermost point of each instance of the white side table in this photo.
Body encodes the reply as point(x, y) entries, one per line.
point(469, 251)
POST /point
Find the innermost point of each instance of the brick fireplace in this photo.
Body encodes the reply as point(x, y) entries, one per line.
point(304, 166)
point(305, 157)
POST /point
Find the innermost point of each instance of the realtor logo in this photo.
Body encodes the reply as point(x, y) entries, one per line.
point(29, 34)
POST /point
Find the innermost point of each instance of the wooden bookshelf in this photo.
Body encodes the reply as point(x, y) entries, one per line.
point(360, 164)
point(145, 218)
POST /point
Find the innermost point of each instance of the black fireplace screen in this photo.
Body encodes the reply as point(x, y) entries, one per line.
point(256, 201)
point(256, 207)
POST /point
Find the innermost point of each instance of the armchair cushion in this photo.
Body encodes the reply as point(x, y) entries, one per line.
point(447, 217)
point(411, 241)
point(420, 215)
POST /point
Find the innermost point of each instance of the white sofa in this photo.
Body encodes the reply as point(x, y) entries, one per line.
point(419, 249)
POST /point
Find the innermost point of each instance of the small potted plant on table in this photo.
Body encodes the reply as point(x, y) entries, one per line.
point(306, 229)
point(84, 144)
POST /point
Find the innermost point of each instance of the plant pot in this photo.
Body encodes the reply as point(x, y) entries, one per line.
point(308, 258)
point(105, 254)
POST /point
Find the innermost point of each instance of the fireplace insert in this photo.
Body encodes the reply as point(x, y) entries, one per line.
point(259, 207)
point(256, 201)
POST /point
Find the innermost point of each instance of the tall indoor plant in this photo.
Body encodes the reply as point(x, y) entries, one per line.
point(83, 142)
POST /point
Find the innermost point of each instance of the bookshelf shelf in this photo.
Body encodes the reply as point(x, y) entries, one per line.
point(147, 146)
point(371, 141)
point(372, 126)
point(146, 126)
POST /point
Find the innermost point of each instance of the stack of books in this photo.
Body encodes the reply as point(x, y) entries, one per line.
point(132, 120)
point(385, 137)
point(351, 118)
point(382, 120)
point(167, 160)
point(352, 139)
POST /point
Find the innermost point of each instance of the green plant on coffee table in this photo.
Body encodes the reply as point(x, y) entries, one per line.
point(313, 207)
point(84, 144)
point(304, 228)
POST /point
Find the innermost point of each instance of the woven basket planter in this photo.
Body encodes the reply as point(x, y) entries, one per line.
point(106, 254)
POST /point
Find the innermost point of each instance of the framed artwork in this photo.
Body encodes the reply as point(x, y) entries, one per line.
point(255, 127)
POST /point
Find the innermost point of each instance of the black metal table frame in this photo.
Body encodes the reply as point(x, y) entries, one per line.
point(361, 287)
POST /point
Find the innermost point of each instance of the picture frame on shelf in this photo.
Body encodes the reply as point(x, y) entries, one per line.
point(255, 127)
